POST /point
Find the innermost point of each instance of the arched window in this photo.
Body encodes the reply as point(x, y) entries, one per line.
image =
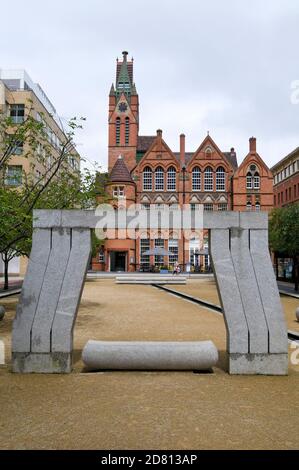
point(159, 179)
point(147, 179)
point(117, 131)
point(196, 179)
point(208, 179)
point(248, 206)
point(256, 181)
point(253, 178)
point(220, 179)
point(171, 179)
point(257, 206)
point(248, 181)
point(127, 130)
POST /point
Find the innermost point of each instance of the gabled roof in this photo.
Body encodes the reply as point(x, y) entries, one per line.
point(188, 156)
point(232, 158)
point(120, 172)
point(144, 142)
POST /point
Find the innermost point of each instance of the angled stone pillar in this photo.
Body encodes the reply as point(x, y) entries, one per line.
point(42, 339)
point(256, 331)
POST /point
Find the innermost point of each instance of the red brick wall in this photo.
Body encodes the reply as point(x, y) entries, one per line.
point(287, 192)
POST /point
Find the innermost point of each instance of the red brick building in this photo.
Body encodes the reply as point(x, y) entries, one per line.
point(144, 170)
point(286, 180)
point(286, 192)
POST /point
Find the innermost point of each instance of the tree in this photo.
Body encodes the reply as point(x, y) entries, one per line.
point(58, 184)
point(284, 235)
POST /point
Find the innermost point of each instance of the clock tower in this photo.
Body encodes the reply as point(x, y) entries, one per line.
point(123, 115)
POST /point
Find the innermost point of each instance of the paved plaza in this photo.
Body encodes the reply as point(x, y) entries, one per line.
point(161, 410)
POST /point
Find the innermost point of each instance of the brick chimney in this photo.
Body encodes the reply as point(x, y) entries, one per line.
point(182, 150)
point(252, 145)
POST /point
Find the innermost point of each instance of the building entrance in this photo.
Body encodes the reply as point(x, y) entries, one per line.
point(118, 261)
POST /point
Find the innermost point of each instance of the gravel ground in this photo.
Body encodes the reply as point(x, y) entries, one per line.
point(145, 410)
point(206, 289)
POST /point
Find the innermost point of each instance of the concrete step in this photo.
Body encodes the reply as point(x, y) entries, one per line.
point(150, 279)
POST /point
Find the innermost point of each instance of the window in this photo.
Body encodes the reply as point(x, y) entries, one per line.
point(159, 260)
point(117, 131)
point(248, 206)
point(159, 179)
point(145, 206)
point(295, 192)
point(194, 206)
point(17, 113)
point(127, 130)
point(119, 192)
point(196, 179)
point(147, 179)
point(13, 175)
point(253, 178)
point(222, 206)
point(173, 247)
point(193, 252)
point(220, 179)
point(248, 181)
point(256, 181)
point(257, 206)
point(208, 206)
point(174, 206)
point(171, 179)
point(208, 179)
point(17, 148)
point(144, 246)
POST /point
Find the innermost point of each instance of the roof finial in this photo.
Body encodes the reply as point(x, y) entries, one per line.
point(208, 132)
point(125, 53)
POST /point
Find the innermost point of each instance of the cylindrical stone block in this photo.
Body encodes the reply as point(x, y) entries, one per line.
point(149, 355)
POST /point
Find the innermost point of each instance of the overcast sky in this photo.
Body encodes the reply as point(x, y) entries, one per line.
point(223, 66)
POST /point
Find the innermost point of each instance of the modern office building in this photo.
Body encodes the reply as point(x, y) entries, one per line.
point(20, 97)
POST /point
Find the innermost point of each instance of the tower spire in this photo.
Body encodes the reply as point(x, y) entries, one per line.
point(123, 80)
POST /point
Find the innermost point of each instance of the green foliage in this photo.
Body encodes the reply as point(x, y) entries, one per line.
point(57, 185)
point(284, 230)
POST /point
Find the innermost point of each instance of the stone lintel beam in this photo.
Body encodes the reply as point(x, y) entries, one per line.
point(88, 219)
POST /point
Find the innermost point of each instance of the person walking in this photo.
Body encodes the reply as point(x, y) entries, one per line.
point(176, 268)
